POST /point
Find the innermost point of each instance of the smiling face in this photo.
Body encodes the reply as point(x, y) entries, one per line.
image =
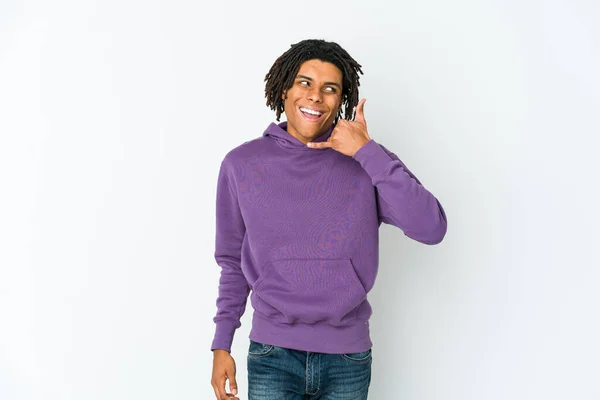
point(314, 100)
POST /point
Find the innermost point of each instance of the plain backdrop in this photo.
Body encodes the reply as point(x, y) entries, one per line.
point(115, 116)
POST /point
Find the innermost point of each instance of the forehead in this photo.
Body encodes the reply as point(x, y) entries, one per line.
point(321, 71)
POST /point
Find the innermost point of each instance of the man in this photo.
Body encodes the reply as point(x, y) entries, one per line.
point(298, 212)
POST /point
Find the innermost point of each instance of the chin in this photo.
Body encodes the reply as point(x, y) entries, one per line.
point(313, 134)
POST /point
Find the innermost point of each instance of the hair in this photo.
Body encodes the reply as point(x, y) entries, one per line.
point(282, 74)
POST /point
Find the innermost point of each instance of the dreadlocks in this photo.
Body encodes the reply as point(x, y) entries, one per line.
point(283, 72)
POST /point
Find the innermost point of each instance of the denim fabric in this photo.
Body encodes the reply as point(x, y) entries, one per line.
point(277, 373)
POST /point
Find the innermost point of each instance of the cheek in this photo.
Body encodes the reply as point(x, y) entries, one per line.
point(337, 108)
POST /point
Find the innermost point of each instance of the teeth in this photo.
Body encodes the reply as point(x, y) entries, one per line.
point(309, 111)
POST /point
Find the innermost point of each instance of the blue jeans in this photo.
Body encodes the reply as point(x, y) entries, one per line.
point(277, 373)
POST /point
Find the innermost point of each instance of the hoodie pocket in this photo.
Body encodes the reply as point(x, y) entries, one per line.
point(312, 290)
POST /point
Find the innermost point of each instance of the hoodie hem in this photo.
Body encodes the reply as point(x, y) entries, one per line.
point(317, 338)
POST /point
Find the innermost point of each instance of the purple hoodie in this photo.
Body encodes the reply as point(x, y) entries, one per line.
point(300, 228)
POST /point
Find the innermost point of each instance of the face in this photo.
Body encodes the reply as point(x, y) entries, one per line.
point(314, 100)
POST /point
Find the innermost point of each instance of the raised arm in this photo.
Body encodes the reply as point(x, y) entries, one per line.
point(402, 200)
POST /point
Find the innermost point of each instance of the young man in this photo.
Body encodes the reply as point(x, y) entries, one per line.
point(298, 212)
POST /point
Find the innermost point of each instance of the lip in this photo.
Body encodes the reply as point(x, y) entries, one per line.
point(314, 109)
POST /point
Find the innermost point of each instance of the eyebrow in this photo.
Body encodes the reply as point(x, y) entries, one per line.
point(308, 78)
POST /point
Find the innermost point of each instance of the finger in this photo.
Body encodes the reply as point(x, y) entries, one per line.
point(216, 392)
point(219, 393)
point(360, 112)
point(232, 382)
point(320, 145)
point(221, 388)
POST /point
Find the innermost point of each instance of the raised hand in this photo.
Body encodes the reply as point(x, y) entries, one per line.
point(348, 136)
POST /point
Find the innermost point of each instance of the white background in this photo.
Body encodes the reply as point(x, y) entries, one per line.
point(115, 115)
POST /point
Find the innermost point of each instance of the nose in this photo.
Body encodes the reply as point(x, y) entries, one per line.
point(315, 95)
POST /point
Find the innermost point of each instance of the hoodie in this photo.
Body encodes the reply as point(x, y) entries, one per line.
point(298, 228)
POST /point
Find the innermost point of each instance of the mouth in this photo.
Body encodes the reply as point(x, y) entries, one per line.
point(311, 114)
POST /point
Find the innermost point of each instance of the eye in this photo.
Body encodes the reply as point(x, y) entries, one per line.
point(330, 89)
point(303, 83)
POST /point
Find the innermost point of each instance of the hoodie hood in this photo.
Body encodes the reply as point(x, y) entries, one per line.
point(279, 133)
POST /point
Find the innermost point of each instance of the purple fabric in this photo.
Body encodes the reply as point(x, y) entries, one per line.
point(298, 228)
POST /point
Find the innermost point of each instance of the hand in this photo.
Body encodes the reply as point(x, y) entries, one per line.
point(223, 369)
point(348, 136)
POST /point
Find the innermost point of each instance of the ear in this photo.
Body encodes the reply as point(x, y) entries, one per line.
point(283, 95)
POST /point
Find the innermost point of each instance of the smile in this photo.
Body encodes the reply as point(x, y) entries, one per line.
point(310, 114)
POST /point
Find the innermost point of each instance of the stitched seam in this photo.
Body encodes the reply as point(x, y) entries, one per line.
point(306, 375)
point(320, 371)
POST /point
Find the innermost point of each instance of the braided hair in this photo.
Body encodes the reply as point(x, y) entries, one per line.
point(282, 74)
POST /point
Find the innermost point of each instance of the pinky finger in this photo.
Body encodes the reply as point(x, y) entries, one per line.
point(319, 145)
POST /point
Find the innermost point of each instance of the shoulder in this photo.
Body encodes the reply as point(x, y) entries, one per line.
point(247, 150)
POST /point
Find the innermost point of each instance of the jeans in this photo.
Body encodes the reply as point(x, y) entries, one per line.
point(277, 373)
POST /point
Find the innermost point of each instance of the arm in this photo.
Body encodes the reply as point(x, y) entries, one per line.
point(402, 200)
point(233, 287)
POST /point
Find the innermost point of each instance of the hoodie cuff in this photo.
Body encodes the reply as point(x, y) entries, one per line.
point(224, 335)
point(373, 159)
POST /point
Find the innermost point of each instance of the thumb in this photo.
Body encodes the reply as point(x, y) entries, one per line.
point(360, 112)
point(233, 388)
